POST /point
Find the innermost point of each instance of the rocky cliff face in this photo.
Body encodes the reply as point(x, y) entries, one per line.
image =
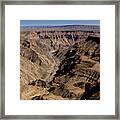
point(59, 63)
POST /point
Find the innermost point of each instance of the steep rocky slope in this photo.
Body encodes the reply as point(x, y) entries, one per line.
point(60, 63)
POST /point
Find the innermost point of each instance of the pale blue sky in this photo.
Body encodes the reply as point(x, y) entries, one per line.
point(58, 22)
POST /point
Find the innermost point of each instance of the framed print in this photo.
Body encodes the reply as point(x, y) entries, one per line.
point(60, 59)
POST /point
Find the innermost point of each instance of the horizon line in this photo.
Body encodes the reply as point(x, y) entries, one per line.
point(60, 25)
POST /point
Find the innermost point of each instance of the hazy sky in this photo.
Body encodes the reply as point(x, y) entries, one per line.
point(58, 22)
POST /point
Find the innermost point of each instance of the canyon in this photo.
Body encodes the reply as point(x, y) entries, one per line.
point(60, 63)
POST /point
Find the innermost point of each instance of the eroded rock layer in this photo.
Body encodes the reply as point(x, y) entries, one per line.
point(59, 63)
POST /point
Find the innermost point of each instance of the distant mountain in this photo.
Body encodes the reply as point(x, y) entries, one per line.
point(61, 26)
point(64, 27)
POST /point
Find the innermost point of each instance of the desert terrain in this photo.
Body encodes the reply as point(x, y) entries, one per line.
point(60, 62)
